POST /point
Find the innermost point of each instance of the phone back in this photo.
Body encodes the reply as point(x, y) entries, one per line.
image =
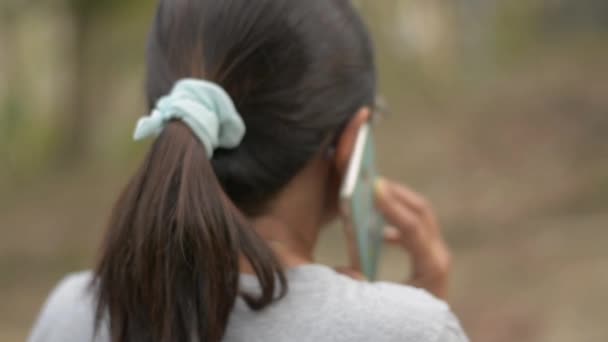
point(358, 199)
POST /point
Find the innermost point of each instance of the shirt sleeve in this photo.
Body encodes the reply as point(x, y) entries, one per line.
point(412, 314)
point(68, 314)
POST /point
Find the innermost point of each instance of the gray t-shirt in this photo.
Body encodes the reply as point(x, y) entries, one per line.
point(321, 305)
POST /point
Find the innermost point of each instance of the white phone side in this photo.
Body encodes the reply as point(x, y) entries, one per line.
point(354, 166)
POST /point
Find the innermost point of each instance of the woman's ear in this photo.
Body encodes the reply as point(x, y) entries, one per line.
point(346, 141)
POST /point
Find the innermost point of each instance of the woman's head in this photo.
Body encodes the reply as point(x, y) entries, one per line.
point(297, 72)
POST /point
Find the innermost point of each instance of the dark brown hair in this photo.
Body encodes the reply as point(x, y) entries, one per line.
point(297, 71)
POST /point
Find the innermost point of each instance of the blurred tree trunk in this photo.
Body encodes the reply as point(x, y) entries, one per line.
point(77, 128)
point(11, 103)
point(75, 140)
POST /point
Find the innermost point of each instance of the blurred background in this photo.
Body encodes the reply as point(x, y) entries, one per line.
point(499, 116)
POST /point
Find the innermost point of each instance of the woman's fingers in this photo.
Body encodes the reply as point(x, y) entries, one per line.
point(400, 216)
point(408, 197)
point(415, 202)
point(392, 235)
point(416, 228)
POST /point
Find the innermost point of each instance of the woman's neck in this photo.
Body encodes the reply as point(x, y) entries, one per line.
point(293, 221)
point(292, 245)
point(292, 238)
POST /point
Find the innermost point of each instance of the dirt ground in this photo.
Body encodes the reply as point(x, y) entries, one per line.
point(518, 181)
point(539, 280)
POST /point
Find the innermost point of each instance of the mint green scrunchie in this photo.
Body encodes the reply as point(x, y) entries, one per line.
point(205, 107)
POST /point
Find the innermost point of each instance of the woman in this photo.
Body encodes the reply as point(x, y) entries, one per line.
point(255, 108)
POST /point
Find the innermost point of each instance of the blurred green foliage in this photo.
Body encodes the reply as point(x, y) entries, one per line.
point(468, 40)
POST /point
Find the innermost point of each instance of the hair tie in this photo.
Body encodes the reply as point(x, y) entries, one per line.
point(202, 105)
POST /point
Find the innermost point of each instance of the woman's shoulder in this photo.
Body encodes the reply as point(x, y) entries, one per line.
point(389, 311)
point(73, 287)
point(69, 311)
point(415, 312)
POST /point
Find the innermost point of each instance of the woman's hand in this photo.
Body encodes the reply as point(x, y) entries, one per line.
point(414, 226)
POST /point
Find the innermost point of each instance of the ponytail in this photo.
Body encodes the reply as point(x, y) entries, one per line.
point(169, 265)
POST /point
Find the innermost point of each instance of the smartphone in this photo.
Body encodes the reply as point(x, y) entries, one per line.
point(364, 224)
